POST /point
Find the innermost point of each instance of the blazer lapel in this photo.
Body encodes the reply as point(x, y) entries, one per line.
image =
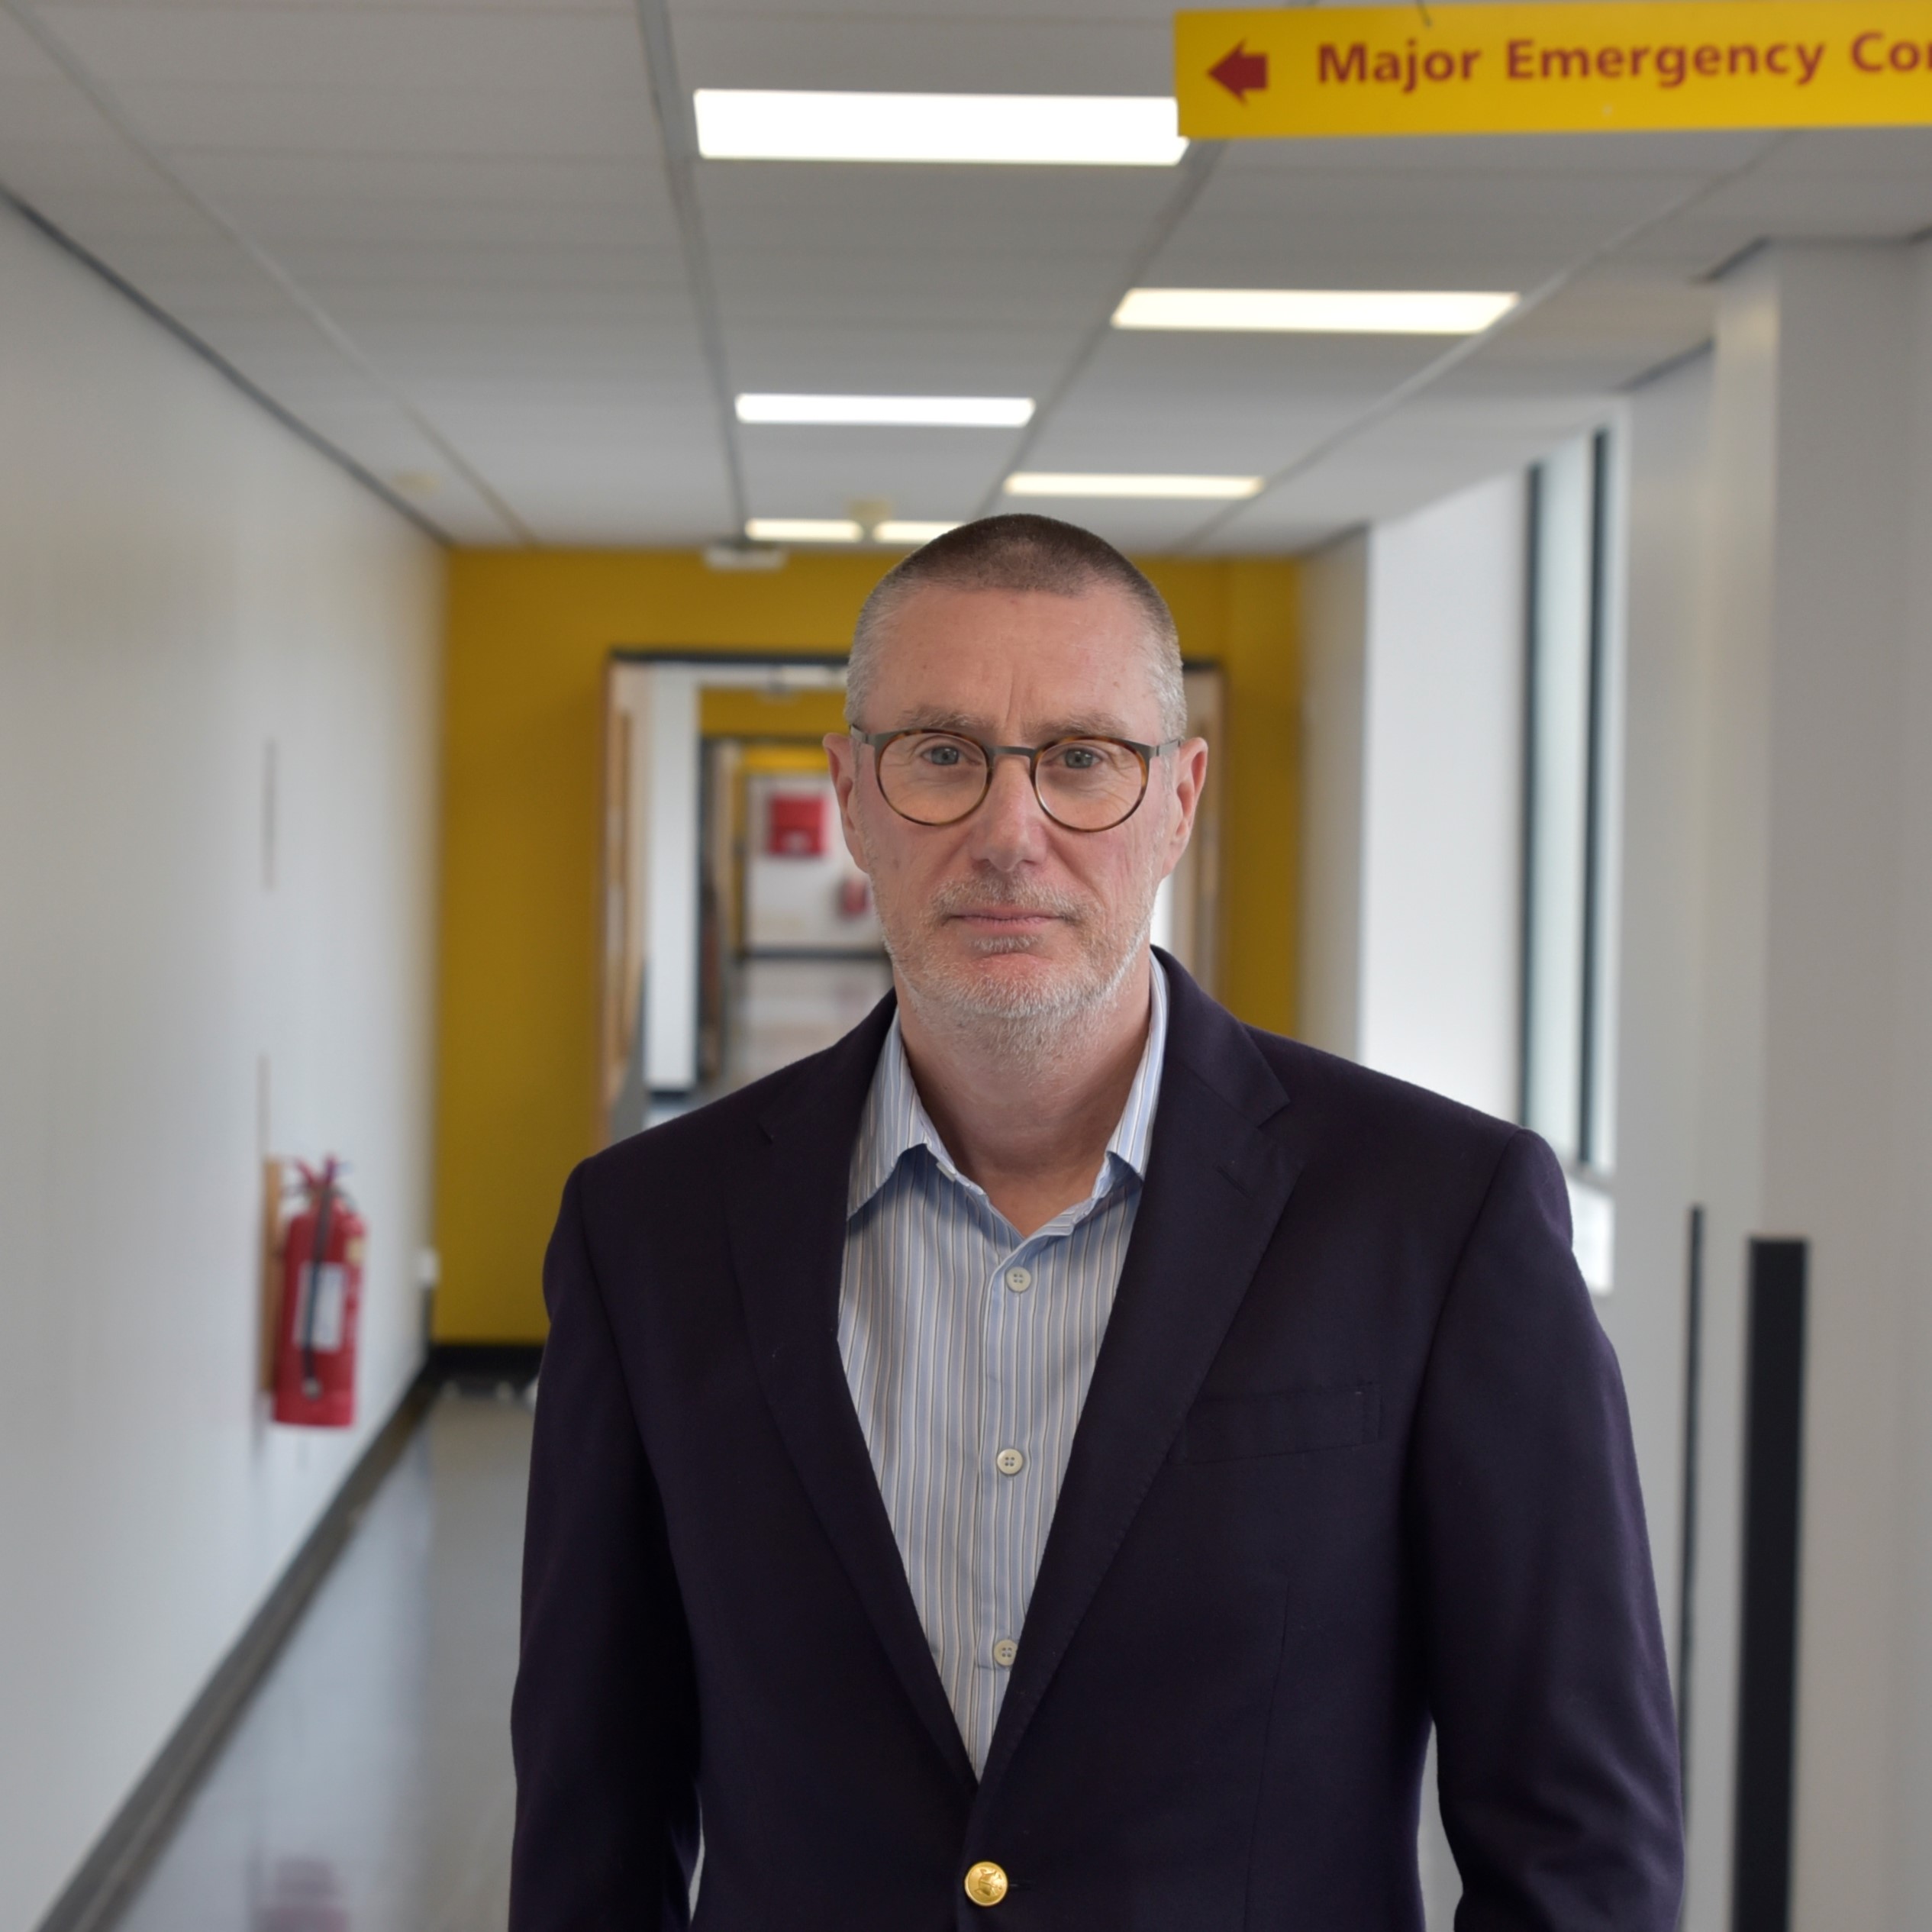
point(1216, 1186)
point(787, 1242)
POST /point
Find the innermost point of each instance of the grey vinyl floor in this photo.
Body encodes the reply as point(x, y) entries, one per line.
point(367, 1787)
point(778, 1011)
point(784, 1009)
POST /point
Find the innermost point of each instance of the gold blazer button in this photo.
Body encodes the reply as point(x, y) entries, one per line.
point(986, 1883)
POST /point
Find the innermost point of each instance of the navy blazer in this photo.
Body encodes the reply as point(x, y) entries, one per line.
point(1356, 1454)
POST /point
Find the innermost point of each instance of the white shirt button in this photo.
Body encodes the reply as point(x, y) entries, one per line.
point(1010, 1462)
point(1019, 1280)
point(1004, 1651)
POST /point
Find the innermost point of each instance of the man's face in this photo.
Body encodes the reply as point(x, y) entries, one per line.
point(1006, 914)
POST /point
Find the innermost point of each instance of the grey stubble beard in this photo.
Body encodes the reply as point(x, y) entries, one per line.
point(1015, 1023)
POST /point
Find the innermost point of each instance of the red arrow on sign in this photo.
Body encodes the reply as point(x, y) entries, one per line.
point(1241, 72)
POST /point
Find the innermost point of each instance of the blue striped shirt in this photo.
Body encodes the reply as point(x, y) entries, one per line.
point(969, 1350)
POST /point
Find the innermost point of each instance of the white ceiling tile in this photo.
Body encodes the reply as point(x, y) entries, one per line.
point(22, 57)
point(586, 472)
point(1543, 156)
point(1391, 470)
point(333, 50)
point(459, 8)
point(1617, 317)
point(455, 272)
point(559, 125)
point(1851, 150)
point(947, 52)
point(921, 473)
point(1139, 528)
point(104, 199)
point(812, 289)
point(41, 110)
point(993, 18)
point(539, 315)
point(1349, 230)
point(931, 210)
point(1828, 203)
point(619, 203)
point(1253, 397)
point(869, 358)
point(228, 304)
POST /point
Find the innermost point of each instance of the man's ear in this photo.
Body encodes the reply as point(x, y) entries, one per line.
point(1190, 759)
point(843, 753)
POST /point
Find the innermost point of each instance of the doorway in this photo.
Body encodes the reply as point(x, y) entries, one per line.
point(737, 935)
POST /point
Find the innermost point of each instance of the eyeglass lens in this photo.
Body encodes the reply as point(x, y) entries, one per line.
point(1086, 784)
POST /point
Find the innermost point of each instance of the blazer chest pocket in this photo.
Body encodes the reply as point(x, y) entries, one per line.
point(1288, 1422)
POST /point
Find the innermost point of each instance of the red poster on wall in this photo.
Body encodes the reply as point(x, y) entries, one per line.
point(795, 825)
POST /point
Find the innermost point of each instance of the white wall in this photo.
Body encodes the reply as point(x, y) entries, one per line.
point(794, 900)
point(1442, 789)
point(182, 584)
point(1410, 917)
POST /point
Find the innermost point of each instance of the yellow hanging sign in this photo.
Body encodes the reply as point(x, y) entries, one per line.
point(1587, 67)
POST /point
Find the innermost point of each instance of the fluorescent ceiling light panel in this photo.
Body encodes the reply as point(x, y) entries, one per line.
point(1314, 311)
point(922, 412)
point(899, 530)
point(803, 529)
point(1039, 130)
point(1037, 483)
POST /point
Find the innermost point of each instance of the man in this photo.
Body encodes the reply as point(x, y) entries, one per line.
point(1044, 1461)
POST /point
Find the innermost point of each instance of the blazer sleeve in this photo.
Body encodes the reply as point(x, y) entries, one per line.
point(1557, 1745)
point(603, 1722)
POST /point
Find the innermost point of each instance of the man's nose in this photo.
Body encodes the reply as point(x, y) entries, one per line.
point(1009, 827)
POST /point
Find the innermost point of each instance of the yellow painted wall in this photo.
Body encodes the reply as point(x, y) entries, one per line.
point(1241, 613)
point(729, 711)
point(529, 635)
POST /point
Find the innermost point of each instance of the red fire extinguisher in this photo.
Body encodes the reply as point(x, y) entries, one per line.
point(321, 1297)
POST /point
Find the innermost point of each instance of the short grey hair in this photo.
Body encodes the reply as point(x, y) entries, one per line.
point(1020, 553)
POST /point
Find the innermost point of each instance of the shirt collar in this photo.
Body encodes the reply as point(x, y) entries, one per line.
point(895, 1120)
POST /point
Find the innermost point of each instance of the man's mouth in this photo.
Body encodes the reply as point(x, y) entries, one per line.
point(1004, 919)
point(987, 914)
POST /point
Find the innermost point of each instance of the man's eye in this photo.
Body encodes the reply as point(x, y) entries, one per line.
point(1079, 758)
point(941, 754)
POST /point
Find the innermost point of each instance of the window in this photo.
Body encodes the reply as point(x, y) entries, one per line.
point(1568, 826)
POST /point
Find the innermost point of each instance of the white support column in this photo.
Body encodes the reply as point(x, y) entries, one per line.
point(1659, 1008)
point(1791, 896)
point(1911, 1785)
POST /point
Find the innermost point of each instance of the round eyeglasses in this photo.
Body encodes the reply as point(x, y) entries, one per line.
point(1085, 785)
